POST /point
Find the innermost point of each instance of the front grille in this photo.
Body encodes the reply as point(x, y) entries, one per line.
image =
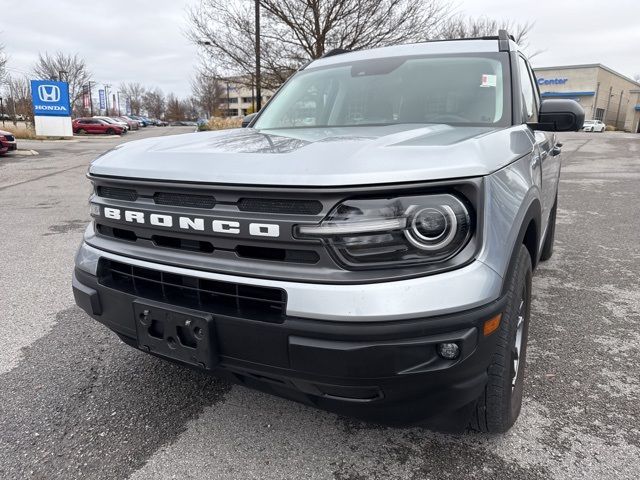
point(268, 205)
point(224, 298)
point(118, 193)
point(184, 200)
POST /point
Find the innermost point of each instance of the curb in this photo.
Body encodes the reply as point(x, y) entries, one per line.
point(25, 153)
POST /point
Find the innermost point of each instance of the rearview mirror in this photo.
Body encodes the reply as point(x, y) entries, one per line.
point(559, 115)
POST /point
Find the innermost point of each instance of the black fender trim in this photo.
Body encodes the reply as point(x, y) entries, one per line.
point(534, 213)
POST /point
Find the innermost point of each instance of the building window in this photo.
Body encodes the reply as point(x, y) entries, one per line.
point(233, 100)
point(247, 99)
point(599, 113)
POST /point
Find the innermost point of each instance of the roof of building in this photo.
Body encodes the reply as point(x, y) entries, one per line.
point(589, 65)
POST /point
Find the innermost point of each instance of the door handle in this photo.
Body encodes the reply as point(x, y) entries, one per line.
point(556, 151)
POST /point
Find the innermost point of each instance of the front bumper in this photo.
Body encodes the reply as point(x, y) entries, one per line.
point(8, 146)
point(384, 370)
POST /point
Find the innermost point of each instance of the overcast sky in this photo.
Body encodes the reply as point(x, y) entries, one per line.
point(144, 40)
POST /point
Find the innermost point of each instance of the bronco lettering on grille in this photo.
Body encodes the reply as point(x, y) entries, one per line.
point(197, 224)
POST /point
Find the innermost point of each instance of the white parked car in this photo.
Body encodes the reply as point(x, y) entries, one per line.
point(594, 126)
point(113, 121)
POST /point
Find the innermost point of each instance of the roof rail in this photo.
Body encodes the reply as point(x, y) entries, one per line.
point(335, 51)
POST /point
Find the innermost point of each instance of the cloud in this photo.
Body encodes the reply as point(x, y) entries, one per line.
point(573, 31)
point(120, 40)
point(143, 40)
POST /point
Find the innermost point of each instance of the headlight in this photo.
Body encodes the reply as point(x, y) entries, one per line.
point(373, 233)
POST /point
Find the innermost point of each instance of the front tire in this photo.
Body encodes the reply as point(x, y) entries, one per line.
point(498, 407)
point(110, 131)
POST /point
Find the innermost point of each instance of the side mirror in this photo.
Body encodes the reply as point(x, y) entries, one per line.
point(247, 120)
point(559, 115)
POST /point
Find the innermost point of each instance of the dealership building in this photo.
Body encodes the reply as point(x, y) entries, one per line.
point(603, 93)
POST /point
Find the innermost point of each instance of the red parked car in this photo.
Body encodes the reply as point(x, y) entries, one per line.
point(95, 125)
point(7, 142)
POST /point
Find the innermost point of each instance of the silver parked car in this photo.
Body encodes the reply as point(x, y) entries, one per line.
point(365, 245)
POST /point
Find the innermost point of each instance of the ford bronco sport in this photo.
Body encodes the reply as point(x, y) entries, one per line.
point(365, 246)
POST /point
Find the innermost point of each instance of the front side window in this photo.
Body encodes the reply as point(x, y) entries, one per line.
point(528, 93)
point(457, 90)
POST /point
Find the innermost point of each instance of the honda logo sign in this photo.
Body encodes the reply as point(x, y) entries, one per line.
point(49, 93)
point(50, 98)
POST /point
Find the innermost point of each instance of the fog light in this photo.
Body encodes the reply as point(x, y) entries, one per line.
point(448, 351)
point(94, 209)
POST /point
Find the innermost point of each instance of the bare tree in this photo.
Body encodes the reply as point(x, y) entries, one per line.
point(461, 26)
point(135, 92)
point(294, 31)
point(153, 102)
point(176, 108)
point(3, 63)
point(207, 92)
point(19, 97)
point(68, 68)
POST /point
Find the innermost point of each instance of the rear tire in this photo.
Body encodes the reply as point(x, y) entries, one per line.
point(81, 131)
point(547, 248)
point(498, 407)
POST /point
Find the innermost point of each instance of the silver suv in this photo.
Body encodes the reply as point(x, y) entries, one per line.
point(365, 246)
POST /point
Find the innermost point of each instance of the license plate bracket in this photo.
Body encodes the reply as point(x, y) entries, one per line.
point(178, 334)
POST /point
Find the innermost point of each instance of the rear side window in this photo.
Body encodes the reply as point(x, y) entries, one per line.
point(528, 93)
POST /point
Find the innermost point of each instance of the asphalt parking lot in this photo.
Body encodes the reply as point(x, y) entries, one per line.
point(77, 403)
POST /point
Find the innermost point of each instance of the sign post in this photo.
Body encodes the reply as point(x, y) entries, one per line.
point(51, 108)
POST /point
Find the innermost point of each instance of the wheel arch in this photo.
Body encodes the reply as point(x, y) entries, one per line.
point(529, 236)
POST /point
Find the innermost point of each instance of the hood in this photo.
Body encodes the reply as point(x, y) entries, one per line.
point(318, 156)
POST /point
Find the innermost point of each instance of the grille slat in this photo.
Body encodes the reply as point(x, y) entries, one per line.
point(269, 205)
point(185, 200)
point(208, 201)
point(117, 193)
point(246, 301)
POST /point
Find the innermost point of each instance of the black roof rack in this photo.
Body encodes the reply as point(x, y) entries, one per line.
point(335, 51)
point(503, 40)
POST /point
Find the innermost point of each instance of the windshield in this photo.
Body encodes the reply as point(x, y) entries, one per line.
point(459, 90)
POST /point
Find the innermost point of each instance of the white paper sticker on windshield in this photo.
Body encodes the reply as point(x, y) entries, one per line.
point(489, 80)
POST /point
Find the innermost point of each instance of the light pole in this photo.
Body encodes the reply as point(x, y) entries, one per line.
point(2, 110)
point(619, 106)
point(258, 93)
point(106, 98)
point(90, 99)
